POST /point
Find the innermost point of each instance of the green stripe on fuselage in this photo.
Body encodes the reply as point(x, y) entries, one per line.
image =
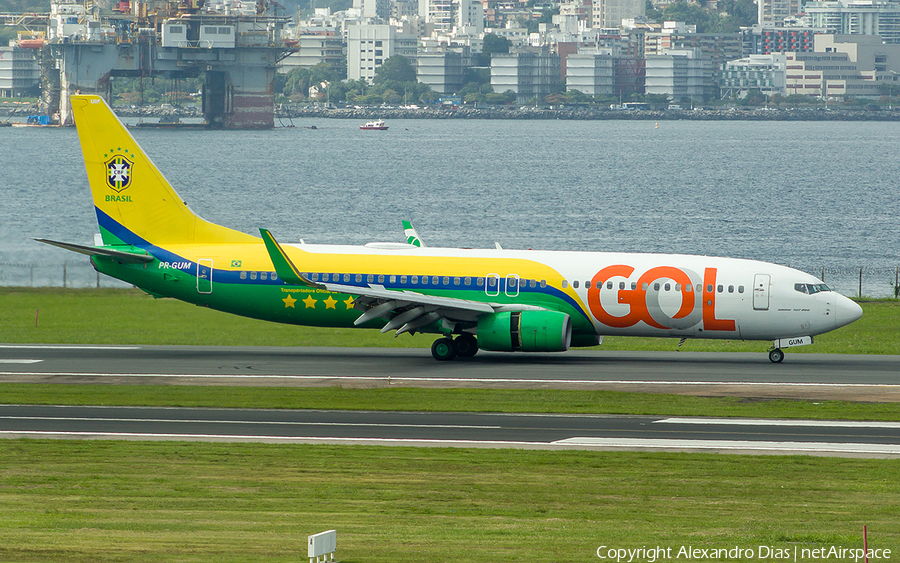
point(292, 304)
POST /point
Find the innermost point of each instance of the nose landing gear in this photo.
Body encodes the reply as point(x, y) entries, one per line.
point(776, 355)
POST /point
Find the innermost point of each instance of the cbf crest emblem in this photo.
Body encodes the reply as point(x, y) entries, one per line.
point(118, 173)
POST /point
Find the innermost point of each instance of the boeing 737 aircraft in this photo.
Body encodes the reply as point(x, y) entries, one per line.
point(494, 299)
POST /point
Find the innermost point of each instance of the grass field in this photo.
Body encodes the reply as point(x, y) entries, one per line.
point(122, 316)
point(158, 502)
point(99, 501)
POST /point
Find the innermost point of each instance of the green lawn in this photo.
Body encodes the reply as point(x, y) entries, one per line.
point(122, 316)
point(72, 501)
point(99, 501)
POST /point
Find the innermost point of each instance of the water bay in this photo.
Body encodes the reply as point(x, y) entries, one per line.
point(805, 194)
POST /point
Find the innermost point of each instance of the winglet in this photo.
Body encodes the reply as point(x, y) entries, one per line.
point(283, 265)
point(412, 237)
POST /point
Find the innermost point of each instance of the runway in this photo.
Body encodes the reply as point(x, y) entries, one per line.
point(532, 431)
point(818, 376)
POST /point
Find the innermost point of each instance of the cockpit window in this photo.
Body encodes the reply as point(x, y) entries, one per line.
point(811, 288)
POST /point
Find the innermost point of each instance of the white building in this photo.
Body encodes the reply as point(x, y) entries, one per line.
point(765, 73)
point(591, 73)
point(444, 16)
point(380, 9)
point(679, 74)
point(610, 13)
point(532, 76)
point(368, 46)
point(774, 12)
point(443, 72)
point(857, 17)
point(314, 49)
point(19, 71)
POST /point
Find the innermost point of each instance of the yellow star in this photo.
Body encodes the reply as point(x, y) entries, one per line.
point(330, 302)
point(349, 302)
point(310, 302)
point(289, 302)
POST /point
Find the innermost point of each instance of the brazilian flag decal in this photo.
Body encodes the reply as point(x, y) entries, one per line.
point(118, 173)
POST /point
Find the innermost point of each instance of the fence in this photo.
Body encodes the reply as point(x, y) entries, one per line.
point(854, 281)
point(71, 273)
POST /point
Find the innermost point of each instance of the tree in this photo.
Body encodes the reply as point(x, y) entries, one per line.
point(396, 68)
point(492, 44)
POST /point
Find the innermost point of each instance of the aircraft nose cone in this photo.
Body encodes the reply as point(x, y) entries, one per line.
point(846, 311)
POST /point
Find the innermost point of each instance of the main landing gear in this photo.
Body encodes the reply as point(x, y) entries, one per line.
point(464, 346)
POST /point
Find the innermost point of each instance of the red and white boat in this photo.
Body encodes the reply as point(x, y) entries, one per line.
point(378, 125)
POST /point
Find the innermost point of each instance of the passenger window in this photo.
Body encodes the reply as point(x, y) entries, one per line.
point(688, 287)
point(393, 279)
point(264, 275)
point(243, 275)
point(403, 279)
point(492, 282)
point(380, 278)
point(532, 283)
point(274, 276)
point(730, 289)
point(609, 285)
point(315, 277)
point(740, 289)
point(678, 288)
point(565, 284)
point(346, 277)
point(644, 286)
point(575, 284)
point(252, 275)
point(668, 287)
point(720, 289)
point(467, 280)
point(633, 286)
point(455, 281)
point(656, 286)
point(543, 283)
point(434, 280)
point(709, 289)
point(358, 278)
point(370, 278)
point(414, 280)
point(621, 285)
point(479, 282)
point(446, 281)
point(424, 280)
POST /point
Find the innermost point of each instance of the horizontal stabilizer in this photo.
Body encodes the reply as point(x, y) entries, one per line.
point(121, 256)
point(283, 265)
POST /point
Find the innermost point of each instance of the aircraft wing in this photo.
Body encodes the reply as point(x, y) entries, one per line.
point(404, 311)
point(121, 256)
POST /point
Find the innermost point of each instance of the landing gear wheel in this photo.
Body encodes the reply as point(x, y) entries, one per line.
point(776, 355)
point(443, 349)
point(466, 345)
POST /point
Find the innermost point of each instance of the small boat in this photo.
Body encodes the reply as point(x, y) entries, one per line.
point(377, 125)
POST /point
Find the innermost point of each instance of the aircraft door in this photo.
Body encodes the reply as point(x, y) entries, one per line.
point(204, 275)
point(492, 285)
point(761, 292)
point(512, 285)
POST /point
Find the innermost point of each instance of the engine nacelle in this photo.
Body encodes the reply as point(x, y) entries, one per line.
point(526, 331)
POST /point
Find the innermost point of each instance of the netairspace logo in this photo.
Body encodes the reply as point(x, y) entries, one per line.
point(835, 553)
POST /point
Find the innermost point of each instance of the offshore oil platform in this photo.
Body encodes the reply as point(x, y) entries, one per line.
point(233, 44)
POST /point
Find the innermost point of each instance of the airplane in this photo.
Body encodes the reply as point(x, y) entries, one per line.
point(492, 299)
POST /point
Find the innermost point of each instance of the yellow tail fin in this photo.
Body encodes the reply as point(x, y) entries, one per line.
point(135, 204)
